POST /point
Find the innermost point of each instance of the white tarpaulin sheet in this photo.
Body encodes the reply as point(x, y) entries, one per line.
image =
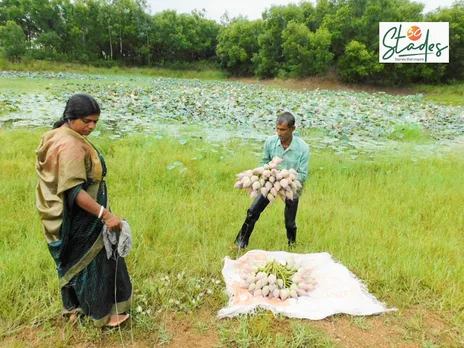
point(337, 289)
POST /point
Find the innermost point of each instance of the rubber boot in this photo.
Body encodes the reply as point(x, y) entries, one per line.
point(291, 236)
point(291, 208)
point(253, 214)
point(245, 232)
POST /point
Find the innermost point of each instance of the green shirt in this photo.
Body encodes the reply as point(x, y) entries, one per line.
point(296, 156)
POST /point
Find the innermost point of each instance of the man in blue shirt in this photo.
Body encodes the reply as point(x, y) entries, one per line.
point(295, 154)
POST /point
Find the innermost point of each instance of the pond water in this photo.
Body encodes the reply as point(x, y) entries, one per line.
point(218, 111)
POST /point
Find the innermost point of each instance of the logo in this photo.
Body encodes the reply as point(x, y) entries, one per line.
point(414, 33)
point(406, 42)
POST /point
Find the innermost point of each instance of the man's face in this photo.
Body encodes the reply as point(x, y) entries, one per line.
point(284, 132)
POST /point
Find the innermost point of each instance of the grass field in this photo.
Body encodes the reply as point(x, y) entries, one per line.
point(199, 71)
point(397, 223)
point(394, 217)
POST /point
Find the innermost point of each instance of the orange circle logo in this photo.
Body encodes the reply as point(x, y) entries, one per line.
point(414, 33)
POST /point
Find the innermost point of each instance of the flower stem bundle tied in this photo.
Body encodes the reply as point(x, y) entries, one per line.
point(269, 181)
point(279, 280)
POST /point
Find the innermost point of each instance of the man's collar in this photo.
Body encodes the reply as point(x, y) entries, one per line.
point(289, 146)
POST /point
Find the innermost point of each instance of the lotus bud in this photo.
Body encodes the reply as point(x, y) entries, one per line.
point(273, 165)
point(308, 279)
point(280, 283)
point(253, 195)
point(298, 184)
point(262, 181)
point(297, 278)
point(276, 293)
point(257, 293)
point(289, 195)
point(254, 269)
point(292, 171)
point(258, 171)
point(292, 176)
point(251, 287)
point(240, 175)
point(259, 284)
point(261, 275)
point(284, 183)
point(279, 177)
point(248, 172)
point(238, 184)
point(264, 191)
point(310, 288)
point(264, 281)
point(256, 185)
point(268, 186)
point(266, 166)
point(294, 286)
point(277, 186)
point(272, 287)
point(270, 197)
point(265, 290)
point(293, 294)
point(284, 173)
point(250, 278)
point(246, 181)
point(254, 178)
point(272, 279)
point(284, 293)
point(266, 174)
point(274, 172)
point(272, 179)
point(301, 292)
point(274, 192)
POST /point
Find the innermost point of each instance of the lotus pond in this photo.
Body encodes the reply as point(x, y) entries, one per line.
point(355, 123)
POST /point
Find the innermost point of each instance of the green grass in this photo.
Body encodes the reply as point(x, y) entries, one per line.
point(200, 72)
point(450, 94)
point(396, 223)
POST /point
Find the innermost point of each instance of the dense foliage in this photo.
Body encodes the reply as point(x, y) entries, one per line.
point(289, 41)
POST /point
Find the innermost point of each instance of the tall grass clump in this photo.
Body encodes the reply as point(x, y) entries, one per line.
point(201, 72)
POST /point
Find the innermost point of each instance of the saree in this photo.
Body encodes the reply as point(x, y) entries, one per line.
point(99, 287)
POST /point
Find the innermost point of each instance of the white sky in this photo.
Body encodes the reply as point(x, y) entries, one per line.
point(250, 8)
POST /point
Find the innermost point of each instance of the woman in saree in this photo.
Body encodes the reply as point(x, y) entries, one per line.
point(72, 200)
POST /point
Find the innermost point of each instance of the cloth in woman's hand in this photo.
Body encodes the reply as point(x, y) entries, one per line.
point(119, 242)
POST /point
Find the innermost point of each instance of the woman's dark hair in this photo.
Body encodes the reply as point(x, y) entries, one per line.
point(79, 105)
point(287, 118)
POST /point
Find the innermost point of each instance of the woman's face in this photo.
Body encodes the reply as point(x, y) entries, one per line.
point(84, 125)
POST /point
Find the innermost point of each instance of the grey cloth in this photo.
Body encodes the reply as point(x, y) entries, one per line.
point(119, 242)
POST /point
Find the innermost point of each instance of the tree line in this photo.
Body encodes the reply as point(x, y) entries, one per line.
point(331, 36)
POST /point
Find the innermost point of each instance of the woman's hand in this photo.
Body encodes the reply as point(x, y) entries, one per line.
point(111, 220)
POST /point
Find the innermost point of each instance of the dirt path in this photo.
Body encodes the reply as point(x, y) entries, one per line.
point(408, 328)
point(312, 83)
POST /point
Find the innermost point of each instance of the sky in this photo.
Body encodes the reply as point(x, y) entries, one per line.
point(250, 8)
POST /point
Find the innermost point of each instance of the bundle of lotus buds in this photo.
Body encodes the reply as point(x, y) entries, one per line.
point(279, 280)
point(269, 181)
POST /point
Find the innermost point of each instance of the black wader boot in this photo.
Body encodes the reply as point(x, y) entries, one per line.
point(291, 207)
point(253, 213)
